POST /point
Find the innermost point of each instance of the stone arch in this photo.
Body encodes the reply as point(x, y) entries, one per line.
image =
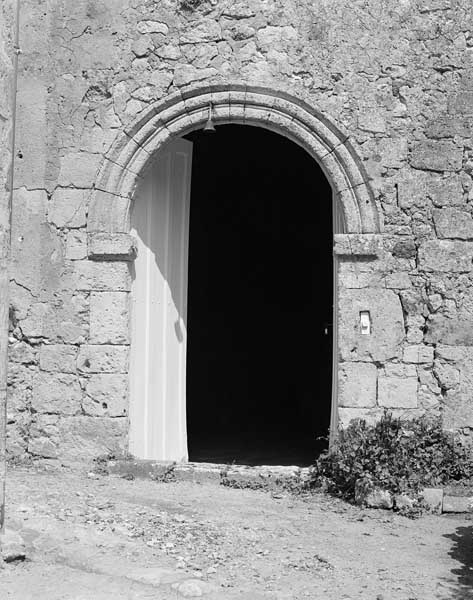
point(183, 112)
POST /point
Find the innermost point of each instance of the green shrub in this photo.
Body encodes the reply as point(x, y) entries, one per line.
point(394, 454)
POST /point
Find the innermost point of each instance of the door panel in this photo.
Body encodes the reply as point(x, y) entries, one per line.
point(160, 223)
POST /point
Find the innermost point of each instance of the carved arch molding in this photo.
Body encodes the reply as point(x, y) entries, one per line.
point(135, 147)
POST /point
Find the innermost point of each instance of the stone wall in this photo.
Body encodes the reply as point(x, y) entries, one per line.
point(6, 123)
point(395, 76)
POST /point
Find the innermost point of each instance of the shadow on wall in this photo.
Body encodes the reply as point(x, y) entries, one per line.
point(461, 584)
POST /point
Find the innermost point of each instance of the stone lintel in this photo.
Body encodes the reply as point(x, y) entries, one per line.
point(358, 244)
point(111, 246)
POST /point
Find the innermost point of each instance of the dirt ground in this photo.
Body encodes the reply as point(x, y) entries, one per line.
point(110, 538)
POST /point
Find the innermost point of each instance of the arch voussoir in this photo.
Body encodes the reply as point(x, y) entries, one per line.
point(181, 113)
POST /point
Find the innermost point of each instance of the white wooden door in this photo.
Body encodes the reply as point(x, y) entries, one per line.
point(160, 223)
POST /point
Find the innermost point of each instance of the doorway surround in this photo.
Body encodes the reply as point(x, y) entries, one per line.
point(135, 149)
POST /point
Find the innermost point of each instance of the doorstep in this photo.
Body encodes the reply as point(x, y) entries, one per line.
point(238, 476)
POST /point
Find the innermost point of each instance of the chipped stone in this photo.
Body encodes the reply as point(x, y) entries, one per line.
point(58, 358)
point(437, 155)
point(68, 207)
point(111, 246)
point(397, 392)
point(457, 504)
point(76, 245)
point(103, 359)
point(461, 103)
point(357, 385)
point(107, 394)
point(186, 74)
point(386, 319)
point(445, 330)
point(453, 223)
point(56, 393)
point(418, 354)
point(153, 27)
point(79, 169)
point(357, 244)
point(398, 281)
point(446, 256)
point(109, 322)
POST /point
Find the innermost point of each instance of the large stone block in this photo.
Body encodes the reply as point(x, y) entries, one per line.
point(68, 207)
point(445, 255)
point(358, 244)
point(21, 352)
point(461, 103)
point(357, 385)
point(419, 354)
point(106, 276)
point(20, 382)
point(83, 438)
point(446, 191)
point(450, 126)
point(76, 245)
point(392, 151)
point(56, 394)
point(108, 213)
point(412, 188)
point(437, 155)
point(31, 132)
point(109, 318)
point(398, 281)
point(106, 394)
point(457, 411)
point(58, 358)
point(452, 353)
point(447, 375)
point(399, 370)
point(103, 359)
point(387, 325)
point(186, 74)
point(397, 392)
point(453, 223)
point(66, 322)
point(36, 248)
point(79, 169)
point(111, 246)
point(445, 330)
point(352, 274)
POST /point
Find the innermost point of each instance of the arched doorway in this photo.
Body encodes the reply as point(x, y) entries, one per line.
point(233, 316)
point(260, 300)
point(133, 155)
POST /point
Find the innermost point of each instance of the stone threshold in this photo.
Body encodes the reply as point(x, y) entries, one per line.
point(452, 499)
point(238, 476)
point(448, 500)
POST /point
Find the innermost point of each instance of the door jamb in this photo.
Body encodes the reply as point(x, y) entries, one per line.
point(338, 226)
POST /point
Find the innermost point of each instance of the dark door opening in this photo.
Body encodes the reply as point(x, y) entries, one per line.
point(259, 357)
